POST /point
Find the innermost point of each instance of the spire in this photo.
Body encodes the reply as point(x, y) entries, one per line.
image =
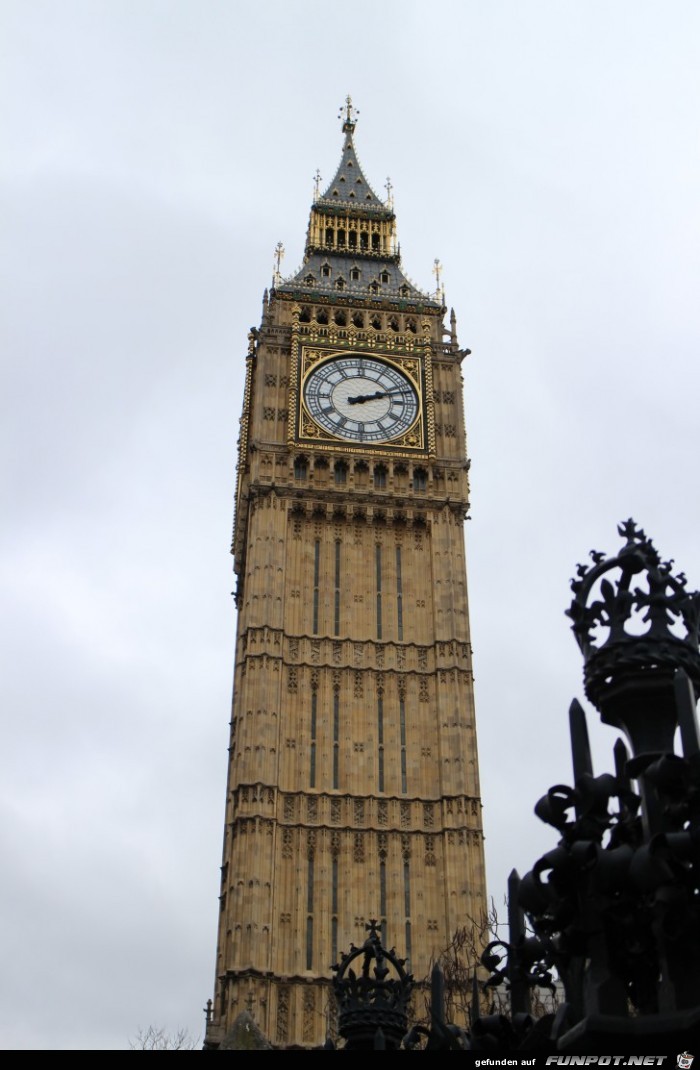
point(351, 244)
point(349, 186)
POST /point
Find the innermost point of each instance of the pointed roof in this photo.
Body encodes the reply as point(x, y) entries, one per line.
point(354, 267)
point(349, 185)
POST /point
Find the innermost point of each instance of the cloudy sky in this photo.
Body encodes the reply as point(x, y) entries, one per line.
point(153, 152)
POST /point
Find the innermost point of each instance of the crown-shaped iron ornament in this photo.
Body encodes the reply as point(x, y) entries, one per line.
point(374, 999)
point(670, 613)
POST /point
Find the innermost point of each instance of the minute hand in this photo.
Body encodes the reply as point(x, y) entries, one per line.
point(361, 398)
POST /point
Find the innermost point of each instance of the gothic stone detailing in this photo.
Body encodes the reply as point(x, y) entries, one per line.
point(351, 859)
point(299, 809)
point(428, 715)
point(304, 650)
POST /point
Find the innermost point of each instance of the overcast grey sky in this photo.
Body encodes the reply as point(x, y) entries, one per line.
point(153, 153)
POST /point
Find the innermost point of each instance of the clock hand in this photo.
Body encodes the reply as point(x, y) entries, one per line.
point(361, 398)
point(377, 394)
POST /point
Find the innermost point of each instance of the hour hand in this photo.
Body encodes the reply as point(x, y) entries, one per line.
point(365, 397)
point(377, 394)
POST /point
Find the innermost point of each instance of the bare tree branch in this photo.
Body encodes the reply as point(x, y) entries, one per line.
point(157, 1039)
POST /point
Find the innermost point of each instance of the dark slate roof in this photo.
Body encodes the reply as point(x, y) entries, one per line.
point(349, 186)
point(311, 279)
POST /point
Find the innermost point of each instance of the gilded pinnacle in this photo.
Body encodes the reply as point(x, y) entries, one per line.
point(279, 256)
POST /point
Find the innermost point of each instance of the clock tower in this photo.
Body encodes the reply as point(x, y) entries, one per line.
point(353, 788)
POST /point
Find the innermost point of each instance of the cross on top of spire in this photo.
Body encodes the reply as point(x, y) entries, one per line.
point(351, 113)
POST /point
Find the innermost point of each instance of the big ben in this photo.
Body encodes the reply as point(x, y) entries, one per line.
point(353, 788)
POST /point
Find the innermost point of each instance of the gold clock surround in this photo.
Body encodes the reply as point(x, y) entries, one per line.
point(415, 367)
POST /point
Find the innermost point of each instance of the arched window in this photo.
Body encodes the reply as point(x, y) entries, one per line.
point(301, 468)
point(380, 476)
point(361, 474)
point(420, 479)
point(341, 472)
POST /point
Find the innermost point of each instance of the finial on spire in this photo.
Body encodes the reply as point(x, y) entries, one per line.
point(279, 256)
point(389, 193)
point(351, 113)
point(317, 184)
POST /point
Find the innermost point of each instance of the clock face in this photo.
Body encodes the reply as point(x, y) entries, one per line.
point(361, 399)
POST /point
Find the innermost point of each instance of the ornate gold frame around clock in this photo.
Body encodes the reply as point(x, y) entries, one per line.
point(415, 363)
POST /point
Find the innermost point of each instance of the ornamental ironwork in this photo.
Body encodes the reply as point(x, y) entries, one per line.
point(372, 990)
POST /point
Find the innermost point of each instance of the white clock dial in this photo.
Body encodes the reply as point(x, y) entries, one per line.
point(361, 399)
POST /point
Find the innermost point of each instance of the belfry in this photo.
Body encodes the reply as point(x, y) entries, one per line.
point(353, 787)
